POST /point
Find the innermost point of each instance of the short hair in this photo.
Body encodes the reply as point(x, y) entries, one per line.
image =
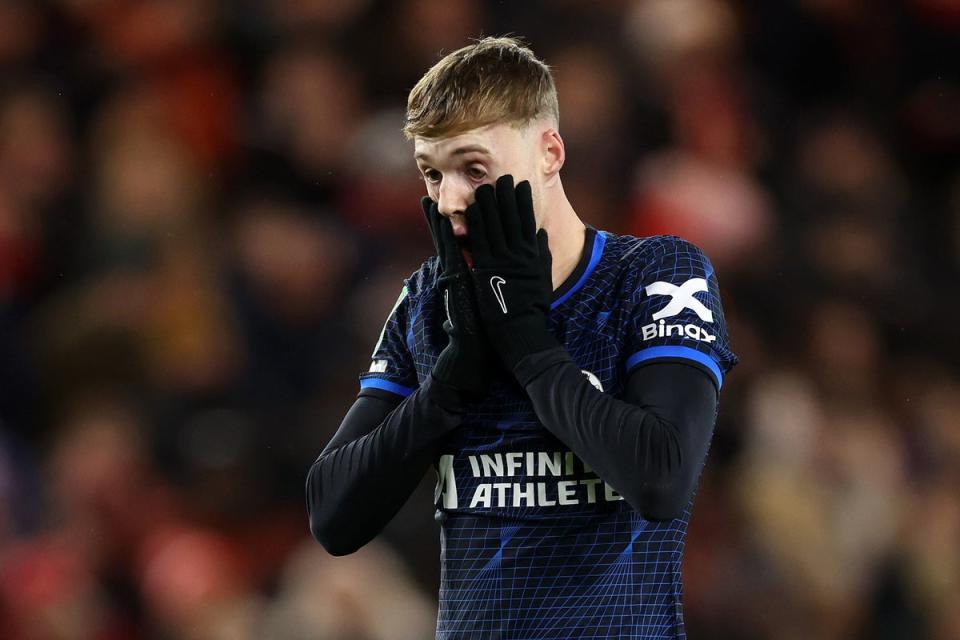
point(492, 80)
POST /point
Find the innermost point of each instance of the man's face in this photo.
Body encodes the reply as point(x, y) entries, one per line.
point(454, 167)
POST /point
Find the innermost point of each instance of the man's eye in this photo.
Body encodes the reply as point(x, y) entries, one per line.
point(431, 176)
point(476, 173)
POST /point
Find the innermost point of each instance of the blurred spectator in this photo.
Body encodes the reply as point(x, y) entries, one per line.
point(366, 596)
point(325, 15)
point(21, 27)
point(311, 104)
point(105, 494)
point(194, 588)
point(47, 591)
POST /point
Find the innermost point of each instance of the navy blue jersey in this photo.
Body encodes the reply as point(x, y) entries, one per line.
point(534, 544)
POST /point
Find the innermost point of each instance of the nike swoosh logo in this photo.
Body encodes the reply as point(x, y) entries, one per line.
point(446, 305)
point(495, 283)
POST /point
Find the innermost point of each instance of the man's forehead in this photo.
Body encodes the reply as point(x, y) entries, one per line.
point(480, 140)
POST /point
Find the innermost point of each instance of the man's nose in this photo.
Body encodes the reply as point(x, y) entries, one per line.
point(453, 198)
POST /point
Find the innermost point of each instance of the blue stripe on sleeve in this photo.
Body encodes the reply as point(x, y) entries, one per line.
point(598, 242)
point(386, 385)
point(676, 351)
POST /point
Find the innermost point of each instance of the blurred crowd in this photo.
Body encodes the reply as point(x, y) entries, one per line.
point(207, 209)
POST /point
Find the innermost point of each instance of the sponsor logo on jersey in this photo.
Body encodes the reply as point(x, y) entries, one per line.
point(378, 366)
point(681, 297)
point(520, 479)
point(663, 330)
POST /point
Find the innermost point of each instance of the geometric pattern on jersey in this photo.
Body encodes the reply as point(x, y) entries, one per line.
point(533, 543)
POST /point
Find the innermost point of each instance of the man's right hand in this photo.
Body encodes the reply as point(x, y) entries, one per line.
point(466, 363)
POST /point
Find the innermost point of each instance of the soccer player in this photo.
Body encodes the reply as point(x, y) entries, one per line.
point(562, 380)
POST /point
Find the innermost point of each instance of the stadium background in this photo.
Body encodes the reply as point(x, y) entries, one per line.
point(207, 209)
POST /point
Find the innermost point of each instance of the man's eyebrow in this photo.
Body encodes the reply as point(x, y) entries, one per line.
point(459, 151)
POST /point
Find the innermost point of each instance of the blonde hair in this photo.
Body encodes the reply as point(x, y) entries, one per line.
point(492, 80)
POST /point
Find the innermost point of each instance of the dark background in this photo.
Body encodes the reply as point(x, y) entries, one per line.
point(207, 209)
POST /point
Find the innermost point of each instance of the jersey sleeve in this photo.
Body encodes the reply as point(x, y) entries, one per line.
point(676, 313)
point(391, 365)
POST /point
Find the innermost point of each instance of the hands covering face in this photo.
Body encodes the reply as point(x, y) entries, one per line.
point(504, 299)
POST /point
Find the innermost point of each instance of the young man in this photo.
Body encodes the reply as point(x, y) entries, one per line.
point(561, 380)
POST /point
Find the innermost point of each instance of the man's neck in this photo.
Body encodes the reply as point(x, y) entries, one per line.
point(567, 234)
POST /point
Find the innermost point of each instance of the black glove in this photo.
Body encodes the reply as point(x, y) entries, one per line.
point(511, 270)
point(465, 364)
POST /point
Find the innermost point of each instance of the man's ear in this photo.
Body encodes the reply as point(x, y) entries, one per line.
point(552, 151)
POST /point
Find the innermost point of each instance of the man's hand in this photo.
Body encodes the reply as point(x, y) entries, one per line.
point(511, 272)
point(465, 364)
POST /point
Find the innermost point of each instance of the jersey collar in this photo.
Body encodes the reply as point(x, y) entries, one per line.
point(592, 250)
